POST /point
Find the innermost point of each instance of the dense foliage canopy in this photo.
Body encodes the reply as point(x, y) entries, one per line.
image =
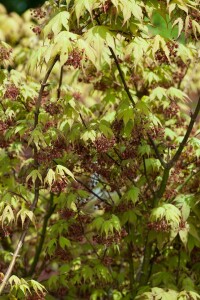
point(100, 151)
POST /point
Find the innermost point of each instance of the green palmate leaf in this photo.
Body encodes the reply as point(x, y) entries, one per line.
point(129, 217)
point(99, 38)
point(63, 242)
point(37, 138)
point(7, 215)
point(193, 231)
point(175, 93)
point(34, 175)
point(23, 214)
point(37, 287)
point(104, 127)
point(89, 135)
point(144, 148)
point(180, 24)
point(63, 44)
point(158, 93)
point(14, 280)
point(63, 171)
point(133, 194)
point(167, 211)
point(51, 246)
point(50, 177)
point(82, 5)
point(169, 133)
point(184, 235)
point(57, 23)
point(87, 273)
point(159, 43)
point(196, 28)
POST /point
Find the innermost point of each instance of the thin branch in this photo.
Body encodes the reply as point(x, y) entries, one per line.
point(122, 76)
point(92, 192)
point(188, 178)
point(163, 163)
point(60, 82)
point(187, 134)
point(147, 179)
point(37, 183)
point(42, 237)
point(84, 124)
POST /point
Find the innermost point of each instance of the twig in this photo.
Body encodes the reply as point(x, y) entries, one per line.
point(92, 192)
point(84, 124)
point(157, 151)
point(122, 76)
point(60, 82)
point(187, 134)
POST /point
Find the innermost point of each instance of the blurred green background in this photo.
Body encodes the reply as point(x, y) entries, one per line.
point(20, 5)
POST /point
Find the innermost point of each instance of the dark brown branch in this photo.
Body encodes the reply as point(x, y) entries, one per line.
point(92, 192)
point(122, 76)
point(187, 134)
point(60, 83)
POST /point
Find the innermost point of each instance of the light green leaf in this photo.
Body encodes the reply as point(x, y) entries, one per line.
point(64, 242)
point(63, 171)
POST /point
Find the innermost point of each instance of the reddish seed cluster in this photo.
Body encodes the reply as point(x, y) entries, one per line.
point(84, 219)
point(161, 56)
point(3, 143)
point(157, 132)
point(103, 144)
point(75, 232)
point(11, 92)
point(171, 110)
point(36, 296)
point(74, 59)
point(67, 213)
point(36, 30)
point(101, 85)
point(169, 193)
point(63, 254)
point(38, 13)
point(106, 6)
point(107, 261)
point(48, 125)
point(182, 224)
point(53, 108)
point(5, 53)
point(58, 186)
point(3, 126)
point(109, 240)
point(194, 16)
point(5, 231)
point(77, 96)
point(159, 226)
point(117, 127)
point(124, 206)
point(47, 154)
